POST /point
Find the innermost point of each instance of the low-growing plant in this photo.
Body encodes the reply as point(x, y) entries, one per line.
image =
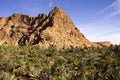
point(35, 63)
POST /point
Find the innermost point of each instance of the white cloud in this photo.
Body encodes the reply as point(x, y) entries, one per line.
point(95, 32)
point(113, 38)
point(50, 4)
point(107, 32)
point(104, 28)
point(115, 6)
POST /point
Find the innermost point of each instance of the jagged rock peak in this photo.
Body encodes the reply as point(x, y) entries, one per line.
point(59, 16)
point(56, 10)
point(17, 15)
point(42, 15)
point(20, 16)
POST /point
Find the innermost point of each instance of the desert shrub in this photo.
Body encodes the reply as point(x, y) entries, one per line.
point(35, 63)
point(7, 76)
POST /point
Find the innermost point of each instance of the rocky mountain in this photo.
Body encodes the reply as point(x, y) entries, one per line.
point(55, 29)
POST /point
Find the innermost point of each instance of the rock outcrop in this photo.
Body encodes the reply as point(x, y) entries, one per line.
point(55, 29)
point(103, 44)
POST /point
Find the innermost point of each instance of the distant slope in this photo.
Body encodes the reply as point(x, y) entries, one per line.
point(104, 43)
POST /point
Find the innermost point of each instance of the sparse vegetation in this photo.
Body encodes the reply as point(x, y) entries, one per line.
point(35, 63)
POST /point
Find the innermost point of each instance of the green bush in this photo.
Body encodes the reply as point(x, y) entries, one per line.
point(35, 63)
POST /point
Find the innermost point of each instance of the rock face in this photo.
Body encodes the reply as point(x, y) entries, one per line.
point(55, 29)
point(103, 44)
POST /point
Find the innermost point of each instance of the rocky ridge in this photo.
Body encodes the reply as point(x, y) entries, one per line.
point(103, 43)
point(55, 29)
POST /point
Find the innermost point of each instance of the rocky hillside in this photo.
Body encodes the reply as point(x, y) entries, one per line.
point(103, 44)
point(55, 29)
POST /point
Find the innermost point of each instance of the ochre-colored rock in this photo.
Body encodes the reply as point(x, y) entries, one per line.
point(55, 29)
point(103, 44)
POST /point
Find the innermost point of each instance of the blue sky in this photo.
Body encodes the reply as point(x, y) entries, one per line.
point(98, 20)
